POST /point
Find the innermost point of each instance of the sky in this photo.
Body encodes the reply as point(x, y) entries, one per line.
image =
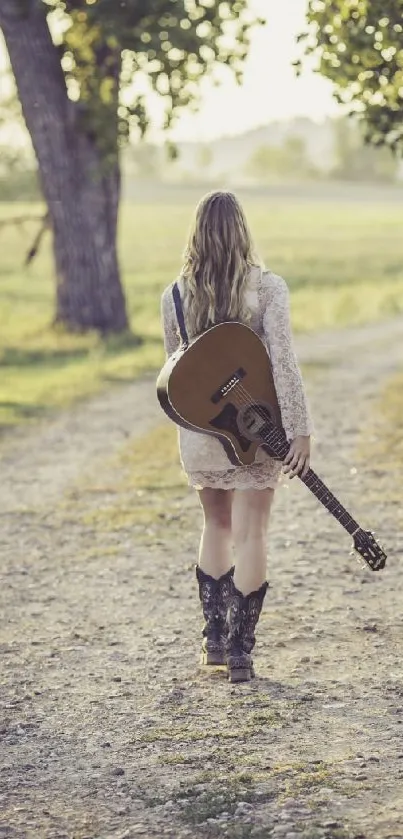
point(270, 89)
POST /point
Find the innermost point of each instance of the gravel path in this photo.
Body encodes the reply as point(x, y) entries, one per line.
point(108, 727)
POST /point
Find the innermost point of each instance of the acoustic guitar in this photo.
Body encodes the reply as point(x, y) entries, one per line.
point(222, 384)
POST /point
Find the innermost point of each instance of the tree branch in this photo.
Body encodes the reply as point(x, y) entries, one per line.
point(20, 221)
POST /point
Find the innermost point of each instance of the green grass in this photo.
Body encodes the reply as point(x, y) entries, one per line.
point(383, 439)
point(139, 496)
point(342, 262)
point(391, 409)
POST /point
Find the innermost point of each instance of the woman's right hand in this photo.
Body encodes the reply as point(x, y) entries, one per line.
point(297, 460)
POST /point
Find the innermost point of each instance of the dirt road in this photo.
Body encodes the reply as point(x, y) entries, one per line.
point(108, 727)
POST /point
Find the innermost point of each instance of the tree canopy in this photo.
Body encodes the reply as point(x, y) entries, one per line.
point(359, 45)
point(172, 44)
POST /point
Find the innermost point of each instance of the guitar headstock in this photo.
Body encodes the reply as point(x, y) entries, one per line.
point(366, 545)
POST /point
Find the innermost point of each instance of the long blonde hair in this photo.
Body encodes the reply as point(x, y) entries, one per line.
point(217, 261)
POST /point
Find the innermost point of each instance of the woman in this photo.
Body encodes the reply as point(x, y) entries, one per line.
point(222, 280)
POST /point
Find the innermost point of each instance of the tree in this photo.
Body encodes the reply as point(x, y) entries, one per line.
point(205, 158)
point(143, 160)
point(287, 161)
point(359, 44)
point(358, 161)
point(74, 62)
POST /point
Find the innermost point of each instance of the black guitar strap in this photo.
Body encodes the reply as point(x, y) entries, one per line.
point(180, 315)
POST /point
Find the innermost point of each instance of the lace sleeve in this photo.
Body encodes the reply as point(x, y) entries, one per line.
point(287, 376)
point(169, 322)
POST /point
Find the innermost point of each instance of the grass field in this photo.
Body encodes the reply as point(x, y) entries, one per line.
point(342, 261)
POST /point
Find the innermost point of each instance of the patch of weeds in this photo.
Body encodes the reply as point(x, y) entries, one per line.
point(208, 805)
point(302, 778)
point(391, 408)
point(323, 832)
point(144, 491)
point(311, 780)
point(235, 734)
point(265, 718)
point(152, 799)
point(142, 460)
point(247, 831)
point(205, 777)
point(383, 436)
point(176, 759)
point(113, 518)
point(257, 762)
point(244, 778)
point(183, 734)
point(211, 795)
point(222, 796)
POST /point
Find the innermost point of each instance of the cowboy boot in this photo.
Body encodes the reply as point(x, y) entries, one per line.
point(242, 618)
point(214, 596)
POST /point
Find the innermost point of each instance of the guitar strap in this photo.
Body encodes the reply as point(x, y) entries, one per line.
point(180, 315)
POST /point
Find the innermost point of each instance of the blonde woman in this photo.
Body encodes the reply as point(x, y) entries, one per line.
point(221, 280)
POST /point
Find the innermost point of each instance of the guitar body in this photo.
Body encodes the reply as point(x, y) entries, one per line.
point(211, 387)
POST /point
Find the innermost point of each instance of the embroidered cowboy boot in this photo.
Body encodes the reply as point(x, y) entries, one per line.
point(242, 618)
point(214, 595)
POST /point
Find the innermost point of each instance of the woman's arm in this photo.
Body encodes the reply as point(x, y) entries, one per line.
point(286, 373)
point(169, 322)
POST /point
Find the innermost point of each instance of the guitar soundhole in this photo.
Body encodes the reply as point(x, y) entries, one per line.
point(228, 420)
point(248, 424)
point(253, 419)
point(256, 422)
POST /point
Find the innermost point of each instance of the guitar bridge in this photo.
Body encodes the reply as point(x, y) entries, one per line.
point(226, 388)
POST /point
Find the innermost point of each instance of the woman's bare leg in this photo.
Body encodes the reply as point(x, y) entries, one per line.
point(250, 519)
point(216, 556)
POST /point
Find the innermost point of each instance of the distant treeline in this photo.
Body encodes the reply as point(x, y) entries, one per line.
point(354, 160)
point(295, 153)
point(298, 150)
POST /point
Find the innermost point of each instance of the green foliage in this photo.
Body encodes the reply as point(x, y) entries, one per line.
point(357, 160)
point(10, 109)
point(205, 157)
point(17, 160)
point(359, 44)
point(16, 183)
point(170, 44)
point(18, 177)
point(286, 161)
point(143, 160)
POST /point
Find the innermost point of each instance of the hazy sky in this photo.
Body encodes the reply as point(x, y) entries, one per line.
point(270, 89)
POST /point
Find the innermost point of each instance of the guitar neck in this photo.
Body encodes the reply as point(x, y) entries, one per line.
point(276, 441)
point(332, 504)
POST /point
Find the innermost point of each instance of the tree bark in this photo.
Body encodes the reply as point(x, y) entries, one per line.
point(82, 198)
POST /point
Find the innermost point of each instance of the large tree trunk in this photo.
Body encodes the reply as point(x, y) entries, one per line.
point(82, 198)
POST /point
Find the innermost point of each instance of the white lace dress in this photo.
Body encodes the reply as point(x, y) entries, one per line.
point(203, 457)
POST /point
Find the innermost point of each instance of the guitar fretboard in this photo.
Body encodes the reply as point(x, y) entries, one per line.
point(279, 445)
